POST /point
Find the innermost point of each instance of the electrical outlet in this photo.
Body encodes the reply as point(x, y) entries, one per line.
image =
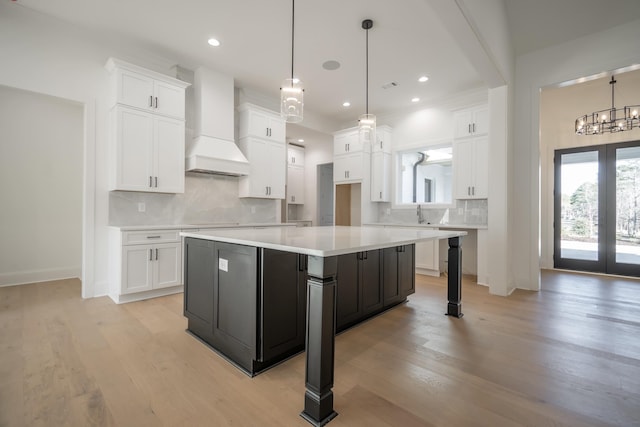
point(142, 207)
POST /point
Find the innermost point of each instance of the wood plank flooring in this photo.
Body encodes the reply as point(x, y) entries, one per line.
point(566, 356)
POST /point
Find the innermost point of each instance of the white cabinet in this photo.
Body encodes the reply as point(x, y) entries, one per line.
point(471, 122)
point(428, 257)
point(383, 140)
point(295, 175)
point(346, 142)
point(262, 141)
point(147, 152)
point(261, 123)
point(147, 130)
point(145, 89)
point(144, 264)
point(471, 168)
point(380, 176)
point(267, 175)
point(349, 167)
point(295, 155)
point(295, 185)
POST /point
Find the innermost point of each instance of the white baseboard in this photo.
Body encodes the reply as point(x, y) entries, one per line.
point(139, 296)
point(36, 276)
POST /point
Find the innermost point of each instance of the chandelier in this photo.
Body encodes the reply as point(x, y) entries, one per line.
point(611, 120)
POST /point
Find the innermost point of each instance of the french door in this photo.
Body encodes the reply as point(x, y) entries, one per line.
point(597, 209)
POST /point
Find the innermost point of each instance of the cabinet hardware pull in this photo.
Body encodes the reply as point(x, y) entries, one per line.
point(151, 101)
point(150, 181)
point(348, 147)
point(156, 102)
point(473, 191)
point(153, 237)
point(150, 254)
point(345, 148)
point(469, 128)
point(156, 254)
point(474, 128)
point(156, 182)
point(381, 194)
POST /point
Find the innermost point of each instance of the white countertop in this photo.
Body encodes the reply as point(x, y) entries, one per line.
point(427, 226)
point(198, 226)
point(324, 241)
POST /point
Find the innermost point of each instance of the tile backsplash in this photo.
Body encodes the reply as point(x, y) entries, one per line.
point(465, 212)
point(207, 199)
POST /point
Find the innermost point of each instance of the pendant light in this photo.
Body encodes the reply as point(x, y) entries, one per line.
point(367, 122)
point(291, 92)
point(611, 120)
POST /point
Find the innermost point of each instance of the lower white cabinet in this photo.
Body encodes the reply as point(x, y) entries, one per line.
point(144, 264)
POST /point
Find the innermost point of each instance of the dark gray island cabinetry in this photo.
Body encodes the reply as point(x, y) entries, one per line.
point(228, 251)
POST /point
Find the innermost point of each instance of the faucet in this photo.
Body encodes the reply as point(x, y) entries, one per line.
point(420, 217)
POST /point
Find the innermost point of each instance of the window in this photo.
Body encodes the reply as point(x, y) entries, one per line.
point(424, 175)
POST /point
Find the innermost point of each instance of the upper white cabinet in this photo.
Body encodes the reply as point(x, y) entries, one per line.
point(145, 89)
point(295, 175)
point(147, 130)
point(147, 152)
point(262, 141)
point(349, 168)
point(472, 168)
point(261, 123)
point(383, 140)
point(380, 176)
point(347, 141)
point(471, 122)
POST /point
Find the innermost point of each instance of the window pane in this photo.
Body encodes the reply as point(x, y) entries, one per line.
point(432, 182)
point(628, 205)
point(579, 206)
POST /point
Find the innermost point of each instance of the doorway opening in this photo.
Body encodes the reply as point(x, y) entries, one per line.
point(597, 209)
point(325, 194)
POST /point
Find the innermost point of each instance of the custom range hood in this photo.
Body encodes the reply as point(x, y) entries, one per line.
point(213, 150)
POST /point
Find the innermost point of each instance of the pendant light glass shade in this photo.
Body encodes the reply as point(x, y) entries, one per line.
point(367, 128)
point(367, 122)
point(291, 92)
point(291, 100)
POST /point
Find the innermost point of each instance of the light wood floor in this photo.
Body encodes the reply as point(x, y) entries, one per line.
point(566, 356)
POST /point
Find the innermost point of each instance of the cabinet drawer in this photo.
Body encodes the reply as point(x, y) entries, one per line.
point(146, 237)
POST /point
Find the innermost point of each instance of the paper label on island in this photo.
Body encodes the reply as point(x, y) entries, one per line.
point(223, 264)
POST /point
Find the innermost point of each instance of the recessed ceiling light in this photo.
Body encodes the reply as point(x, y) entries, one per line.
point(214, 42)
point(346, 104)
point(416, 99)
point(423, 79)
point(301, 140)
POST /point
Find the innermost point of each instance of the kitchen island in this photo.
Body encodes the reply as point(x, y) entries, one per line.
point(234, 260)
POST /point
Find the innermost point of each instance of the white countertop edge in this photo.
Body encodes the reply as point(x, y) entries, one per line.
point(197, 226)
point(252, 241)
point(439, 226)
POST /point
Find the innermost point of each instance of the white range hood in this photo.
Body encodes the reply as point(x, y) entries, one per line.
point(213, 150)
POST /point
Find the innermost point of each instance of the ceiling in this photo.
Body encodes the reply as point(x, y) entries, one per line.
point(407, 40)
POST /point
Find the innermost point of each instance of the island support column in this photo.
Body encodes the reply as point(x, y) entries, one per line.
point(454, 285)
point(320, 340)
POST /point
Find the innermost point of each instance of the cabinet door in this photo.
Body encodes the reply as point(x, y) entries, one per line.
point(391, 285)
point(406, 270)
point(137, 268)
point(169, 100)
point(275, 169)
point(348, 167)
point(167, 265)
point(133, 150)
point(169, 155)
point(463, 152)
point(346, 142)
point(383, 141)
point(254, 123)
point(283, 303)
point(427, 255)
point(380, 176)
point(295, 156)
point(370, 282)
point(480, 121)
point(135, 90)
point(295, 185)
point(277, 129)
point(348, 295)
point(463, 121)
point(198, 281)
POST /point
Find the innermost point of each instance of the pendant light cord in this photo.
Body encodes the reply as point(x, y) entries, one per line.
point(293, 20)
point(367, 73)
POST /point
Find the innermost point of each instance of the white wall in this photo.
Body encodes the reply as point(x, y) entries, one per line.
point(608, 50)
point(40, 187)
point(318, 150)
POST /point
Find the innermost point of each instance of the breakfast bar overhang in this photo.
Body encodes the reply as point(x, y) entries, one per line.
point(323, 245)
